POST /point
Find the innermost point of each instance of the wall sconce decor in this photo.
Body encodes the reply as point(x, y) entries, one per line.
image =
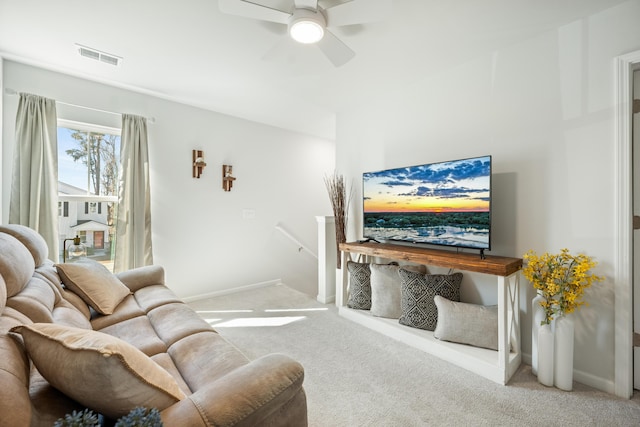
point(76, 250)
point(198, 163)
point(227, 179)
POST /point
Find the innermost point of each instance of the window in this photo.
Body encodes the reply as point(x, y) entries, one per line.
point(63, 209)
point(88, 168)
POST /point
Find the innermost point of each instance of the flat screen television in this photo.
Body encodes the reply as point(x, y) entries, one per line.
point(446, 203)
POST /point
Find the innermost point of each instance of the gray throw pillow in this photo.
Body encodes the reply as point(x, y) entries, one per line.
point(385, 289)
point(417, 293)
point(465, 323)
point(359, 285)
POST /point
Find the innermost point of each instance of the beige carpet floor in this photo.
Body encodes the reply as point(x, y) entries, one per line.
point(357, 377)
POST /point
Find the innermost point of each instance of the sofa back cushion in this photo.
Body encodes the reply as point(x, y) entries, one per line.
point(16, 264)
point(30, 239)
point(30, 284)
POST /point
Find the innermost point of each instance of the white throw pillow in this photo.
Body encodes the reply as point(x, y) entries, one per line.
point(466, 323)
point(385, 289)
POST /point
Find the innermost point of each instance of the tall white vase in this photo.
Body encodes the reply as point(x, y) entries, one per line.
point(536, 319)
point(563, 363)
point(545, 355)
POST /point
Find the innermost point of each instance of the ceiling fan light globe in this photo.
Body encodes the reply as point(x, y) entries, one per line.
point(307, 26)
point(306, 32)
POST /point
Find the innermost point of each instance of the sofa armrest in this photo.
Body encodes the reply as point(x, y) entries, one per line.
point(140, 277)
point(266, 389)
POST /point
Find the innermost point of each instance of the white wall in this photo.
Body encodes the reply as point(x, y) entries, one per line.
point(543, 109)
point(199, 234)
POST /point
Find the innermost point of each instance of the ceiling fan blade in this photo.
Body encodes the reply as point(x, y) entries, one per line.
point(252, 10)
point(337, 52)
point(306, 4)
point(357, 12)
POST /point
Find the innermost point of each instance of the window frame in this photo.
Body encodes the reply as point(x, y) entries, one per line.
point(88, 198)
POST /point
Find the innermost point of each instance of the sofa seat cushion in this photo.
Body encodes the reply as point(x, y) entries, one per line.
point(88, 366)
point(96, 285)
point(166, 363)
point(172, 322)
point(51, 402)
point(204, 357)
point(127, 309)
point(138, 332)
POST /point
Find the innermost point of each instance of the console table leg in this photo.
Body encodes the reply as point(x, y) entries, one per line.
point(508, 321)
point(503, 331)
point(514, 306)
point(342, 281)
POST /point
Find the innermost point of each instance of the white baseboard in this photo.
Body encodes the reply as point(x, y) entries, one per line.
point(326, 300)
point(582, 377)
point(232, 290)
point(599, 383)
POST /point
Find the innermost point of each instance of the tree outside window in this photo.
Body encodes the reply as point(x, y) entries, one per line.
point(88, 168)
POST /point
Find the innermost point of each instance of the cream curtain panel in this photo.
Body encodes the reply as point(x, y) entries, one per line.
point(34, 184)
point(133, 221)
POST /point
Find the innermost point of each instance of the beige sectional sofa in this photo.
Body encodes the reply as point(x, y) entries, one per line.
point(152, 350)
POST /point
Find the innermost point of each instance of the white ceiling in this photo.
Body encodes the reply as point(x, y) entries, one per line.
point(190, 52)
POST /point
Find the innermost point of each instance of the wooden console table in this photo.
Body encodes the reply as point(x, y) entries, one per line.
point(497, 366)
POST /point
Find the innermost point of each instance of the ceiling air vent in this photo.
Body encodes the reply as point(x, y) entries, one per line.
point(97, 55)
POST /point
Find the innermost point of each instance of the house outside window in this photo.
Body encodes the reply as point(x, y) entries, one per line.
point(88, 168)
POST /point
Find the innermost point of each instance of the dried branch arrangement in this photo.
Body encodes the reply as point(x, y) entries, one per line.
point(340, 203)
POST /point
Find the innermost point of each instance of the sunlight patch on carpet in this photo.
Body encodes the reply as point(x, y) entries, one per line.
point(259, 321)
point(224, 311)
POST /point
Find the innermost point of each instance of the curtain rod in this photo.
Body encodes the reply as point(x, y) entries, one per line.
point(13, 92)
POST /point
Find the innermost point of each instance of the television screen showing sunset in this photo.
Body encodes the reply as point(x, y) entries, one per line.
point(444, 203)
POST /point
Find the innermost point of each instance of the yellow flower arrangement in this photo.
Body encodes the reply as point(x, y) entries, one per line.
point(561, 279)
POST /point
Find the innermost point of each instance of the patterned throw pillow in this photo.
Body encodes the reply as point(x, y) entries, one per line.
point(359, 285)
point(417, 292)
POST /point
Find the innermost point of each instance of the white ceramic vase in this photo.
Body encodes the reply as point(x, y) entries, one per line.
point(563, 363)
point(545, 355)
point(536, 319)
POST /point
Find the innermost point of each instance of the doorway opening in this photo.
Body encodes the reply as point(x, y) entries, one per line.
point(623, 280)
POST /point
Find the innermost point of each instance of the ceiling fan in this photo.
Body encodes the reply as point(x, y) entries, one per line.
point(308, 21)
